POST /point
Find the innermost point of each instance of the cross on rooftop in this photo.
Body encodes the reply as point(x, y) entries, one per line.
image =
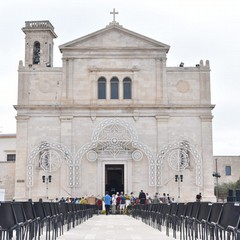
point(114, 13)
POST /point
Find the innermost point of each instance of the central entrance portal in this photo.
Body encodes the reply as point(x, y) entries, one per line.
point(114, 178)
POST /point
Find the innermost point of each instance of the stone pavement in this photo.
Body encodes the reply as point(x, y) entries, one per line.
point(113, 227)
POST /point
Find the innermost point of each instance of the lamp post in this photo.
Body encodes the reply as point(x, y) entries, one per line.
point(217, 175)
point(178, 179)
point(47, 179)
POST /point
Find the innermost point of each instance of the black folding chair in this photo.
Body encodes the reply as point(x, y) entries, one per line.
point(165, 209)
point(170, 217)
point(190, 220)
point(178, 218)
point(64, 211)
point(52, 219)
point(44, 219)
point(185, 218)
point(68, 214)
point(210, 224)
point(21, 219)
point(158, 215)
point(228, 221)
point(81, 212)
point(153, 214)
point(71, 215)
point(59, 215)
point(32, 218)
point(202, 216)
point(8, 223)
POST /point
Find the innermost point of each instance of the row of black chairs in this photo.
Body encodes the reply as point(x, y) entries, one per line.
point(193, 220)
point(32, 220)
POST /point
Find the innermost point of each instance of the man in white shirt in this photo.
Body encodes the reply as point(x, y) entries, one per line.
point(114, 203)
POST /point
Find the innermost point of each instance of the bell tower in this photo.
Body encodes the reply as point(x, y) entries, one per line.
point(39, 43)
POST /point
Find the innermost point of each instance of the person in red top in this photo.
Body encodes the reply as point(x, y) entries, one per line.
point(99, 204)
point(118, 199)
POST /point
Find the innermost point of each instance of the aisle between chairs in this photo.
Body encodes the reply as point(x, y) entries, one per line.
point(113, 227)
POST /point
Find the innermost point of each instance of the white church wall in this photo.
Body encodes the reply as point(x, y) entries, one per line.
point(186, 85)
point(39, 87)
point(84, 83)
point(7, 146)
point(89, 179)
point(7, 179)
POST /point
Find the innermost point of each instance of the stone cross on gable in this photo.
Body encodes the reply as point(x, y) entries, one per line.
point(114, 13)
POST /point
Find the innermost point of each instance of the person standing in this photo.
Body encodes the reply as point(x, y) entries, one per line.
point(199, 197)
point(164, 198)
point(99, 205)
point(156, 199)
point(122, 203)
point(107, 200)
point(148, 199)
point(142, 197)
point(132, 199)
point(114, 203)
point(118, 199)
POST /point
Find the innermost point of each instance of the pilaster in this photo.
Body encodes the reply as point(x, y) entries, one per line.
point(162, 140)
point(21, 161)
point(207, 157)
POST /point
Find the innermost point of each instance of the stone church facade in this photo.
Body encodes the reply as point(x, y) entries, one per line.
point(114, 117)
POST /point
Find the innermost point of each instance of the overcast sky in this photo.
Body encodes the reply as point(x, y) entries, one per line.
point(195, 30)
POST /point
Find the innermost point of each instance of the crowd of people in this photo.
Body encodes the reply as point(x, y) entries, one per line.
point(119, 202)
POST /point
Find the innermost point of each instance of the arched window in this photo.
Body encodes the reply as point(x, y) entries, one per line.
point(114, 88)
point(101, 88)
point(36, 52)
point(127, 88)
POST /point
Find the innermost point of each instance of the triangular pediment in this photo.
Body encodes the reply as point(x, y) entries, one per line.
point(114, 36)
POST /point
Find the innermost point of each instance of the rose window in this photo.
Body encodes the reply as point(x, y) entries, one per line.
point(178, 159)
point(50, 161)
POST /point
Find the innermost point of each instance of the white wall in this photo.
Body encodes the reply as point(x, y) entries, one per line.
point(7, 145)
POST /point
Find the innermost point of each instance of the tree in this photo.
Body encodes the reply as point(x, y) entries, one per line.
point(225, 187)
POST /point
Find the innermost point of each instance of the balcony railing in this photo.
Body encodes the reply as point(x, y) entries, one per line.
point(38, 24)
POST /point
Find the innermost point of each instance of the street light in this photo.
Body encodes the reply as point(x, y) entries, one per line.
point(217, 175)
point(47, 179)
point(178, 179)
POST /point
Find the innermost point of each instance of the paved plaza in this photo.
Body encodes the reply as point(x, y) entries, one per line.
point(113, 227)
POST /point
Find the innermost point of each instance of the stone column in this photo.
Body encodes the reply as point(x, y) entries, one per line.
point(205, 88)
point(94, 87)
point(120, 90)
point(108, 89)
point(66, 139)
point(128, 179)
point(162, 140)
point(135, 86)
point(207, 158)
point(70, 80)
point(161, 80)
point(21, 191)
point(67, 80)
point(164, 84)
point(64, 79)
point(23, 85)
point(158, 80)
